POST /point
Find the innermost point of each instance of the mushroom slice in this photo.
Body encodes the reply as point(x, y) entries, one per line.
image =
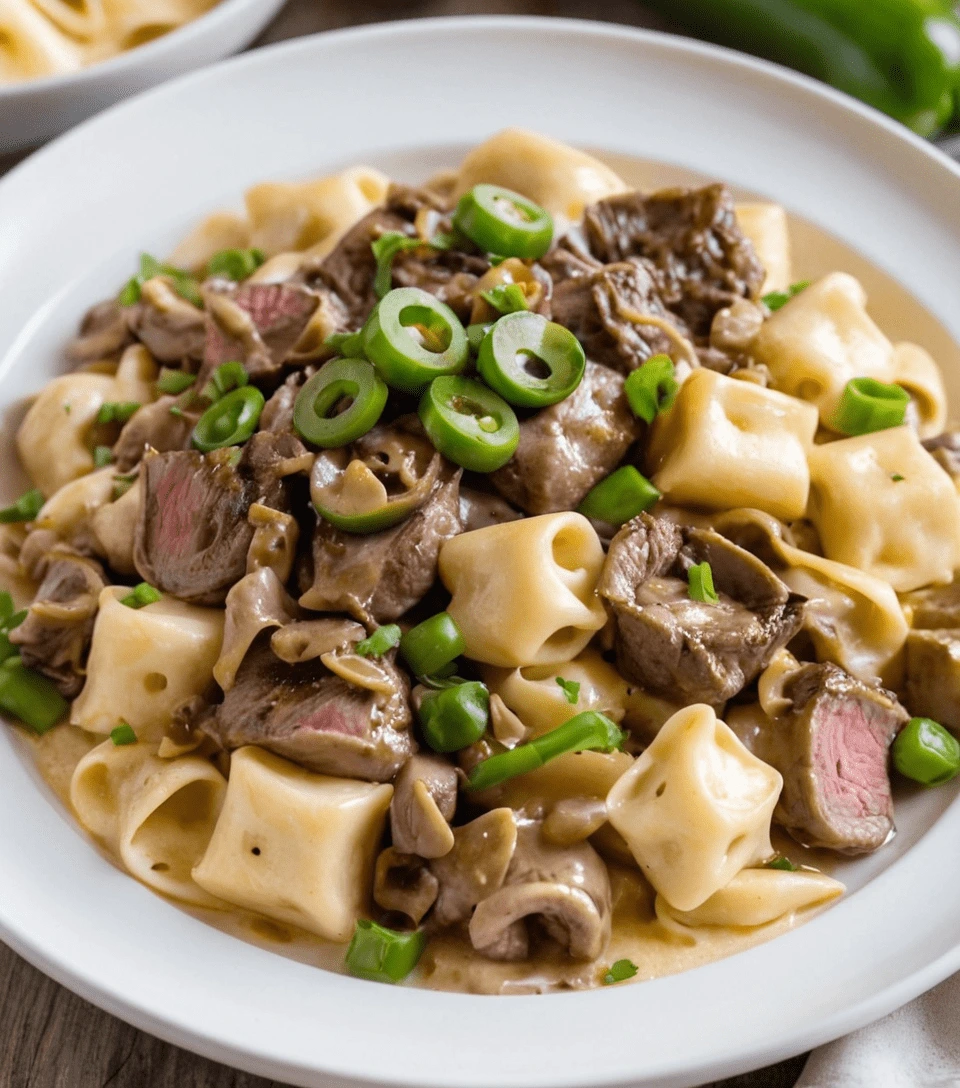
point(476, 866)
point(256, 602)
point(310, 639)
point(566, 888)
point(574, 819)
point(424, 801)
point(507, 726)
point(274, 543)
point(404, 883)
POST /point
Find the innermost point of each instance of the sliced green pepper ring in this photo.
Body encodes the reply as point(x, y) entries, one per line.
point(530, 361)
point(469, 423)
point(412, 337)
point(229, 421)
point(501, 221)
point(315, 414)
point(348, 493)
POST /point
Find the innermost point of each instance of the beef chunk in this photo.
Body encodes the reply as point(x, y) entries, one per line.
point(831, 748)
point(193, 533)
point(103, 333)
point(478, 509)
point(350, 268)
point(933, 676)
point(381, 575)
point(567, 448)
point(156, 427)
point(700, 259)
point(313, 716)
point(594, 307)
point(945, 449)
point(258, 324)
point(933, 606)
point(685, 650)
point(55, 636)
point(166, 324)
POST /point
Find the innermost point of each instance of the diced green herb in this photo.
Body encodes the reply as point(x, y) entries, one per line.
point(102, 456)
point(174, 381)
point(25, 508)
point(143, 594)
point(114, 411)
point(775, 299)
point(123, 734)
point(620, 972)
point(571, 690)
point(781, 862)
point(700, 578)
point(383, 639)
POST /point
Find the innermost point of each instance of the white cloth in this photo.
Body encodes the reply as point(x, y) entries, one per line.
point(918, 1046)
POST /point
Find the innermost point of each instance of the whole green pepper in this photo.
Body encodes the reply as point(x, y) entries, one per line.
point(900, 56)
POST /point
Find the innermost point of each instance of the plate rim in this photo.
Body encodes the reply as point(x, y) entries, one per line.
point(259, 1060)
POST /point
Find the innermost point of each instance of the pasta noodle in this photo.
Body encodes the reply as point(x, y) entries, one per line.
point(882, 504)
point(559, 178)
point(524, 593)
point(146, 662)
point(695, 808)
point(767, 228)
point(72, 508)
point(915, 370)
point(295, 846)
point(157, 815)
point(730, 443)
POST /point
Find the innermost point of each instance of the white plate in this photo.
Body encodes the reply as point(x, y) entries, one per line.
point(409, 97)
point(38, 109)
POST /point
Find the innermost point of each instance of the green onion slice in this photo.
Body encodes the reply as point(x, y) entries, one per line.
point(700, 578)
point(588, 730)
point(142, 595)
point(782, 863)
point(454, 717)
point(530, 361)
point(25, 508)
point(925, 752)
point(227, 377)
point(652, 388)
point(432, 645)
point(383, 955)
point(183, 282)
point(346, 344)
point(385, 248)
point(501, 221)
point(174, 381)
point(30, 696)
point(620, 497)
point(867, 405)
point(236, 264)
point(620, 972)
point(506, 298)
point(123, 734)
point(340, 403)
point(229, 421)
point(775, 299)
point(377, 644)
point(113, 411)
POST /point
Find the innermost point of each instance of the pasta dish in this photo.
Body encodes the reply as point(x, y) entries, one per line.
point(41, 38)
point(510, 584)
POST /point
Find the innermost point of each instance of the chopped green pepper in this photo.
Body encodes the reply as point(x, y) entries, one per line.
point(25, 508)
point(867, 405)
point(469, 423)
point(454, 717)
point(432, 645)
point(347, 344)
point(412, 337)
point(229, 421)
point(385, 248)
point(226, 377)
point(588, 730)
point(651, 388)
point(501, 221)
point(530, 361)
point(620, 497)
point(9, 619)
point(315, 411)
point(383, 955)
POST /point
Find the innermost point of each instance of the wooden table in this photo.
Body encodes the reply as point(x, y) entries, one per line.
point(50, 1037)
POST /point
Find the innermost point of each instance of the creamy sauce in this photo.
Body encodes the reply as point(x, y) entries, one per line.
point(449, 962)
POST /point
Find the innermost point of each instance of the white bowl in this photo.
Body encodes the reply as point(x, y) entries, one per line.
point(39, 109)
point(410, 97)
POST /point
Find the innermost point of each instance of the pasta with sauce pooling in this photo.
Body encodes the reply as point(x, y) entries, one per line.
point(514, 583)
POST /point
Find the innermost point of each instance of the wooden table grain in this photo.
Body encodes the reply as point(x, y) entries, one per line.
point(49, 1037)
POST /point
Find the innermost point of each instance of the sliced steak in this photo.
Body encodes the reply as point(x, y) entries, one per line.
point(603, 309)
point(700, 259)
point(55, 636)
point(155, 427)
point(478, 509)
point(167, 325)
point(257, 324)
point(932, 687)
point(567, 448)
point(380, 576)
point(193, 533)
point(831, 748)
point(309, 714)
point(686, 650)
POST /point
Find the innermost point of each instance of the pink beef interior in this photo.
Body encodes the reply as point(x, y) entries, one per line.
point(850, 754)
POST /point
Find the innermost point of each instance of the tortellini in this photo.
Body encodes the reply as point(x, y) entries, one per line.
point(695, 808)
point(296, 846)
point(66, 407)
point(558, 177)
point(146, 662)
point(882, 504)
point(219, 231)
point(731, 443)
point(158, 815)
point(767, 228)
point(756, 897)
point(136, 374)
point(824, 337)
point(524, 592)
point(73, 507)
